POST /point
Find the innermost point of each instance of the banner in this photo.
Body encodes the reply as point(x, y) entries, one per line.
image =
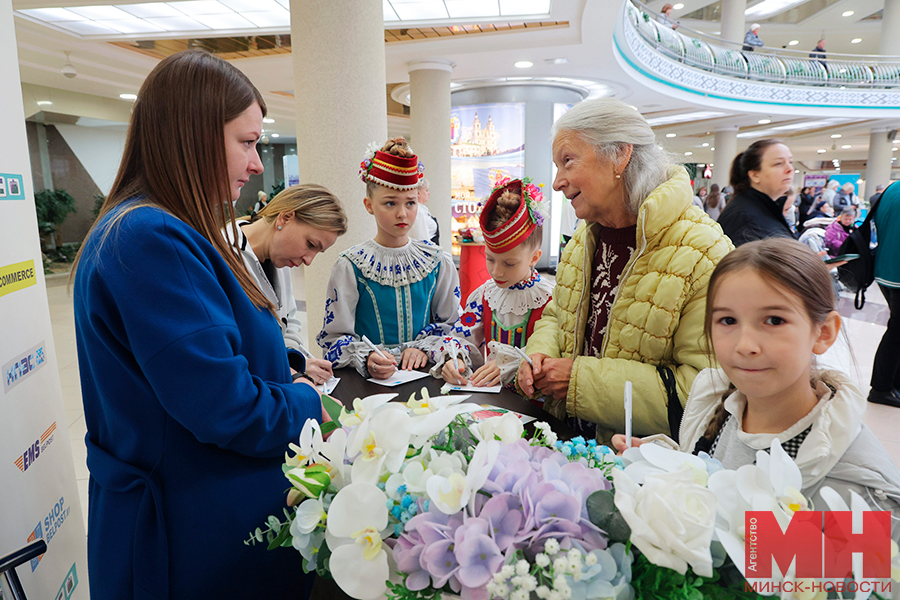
point(38, 493)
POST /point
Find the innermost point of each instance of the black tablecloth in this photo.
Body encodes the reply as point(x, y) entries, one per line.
point(353, 385)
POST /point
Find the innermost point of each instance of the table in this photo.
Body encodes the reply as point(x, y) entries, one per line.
point(353, 385)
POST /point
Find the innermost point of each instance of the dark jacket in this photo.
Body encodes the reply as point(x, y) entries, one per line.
point(752, 215)
point(818, 53)
point(806, 203)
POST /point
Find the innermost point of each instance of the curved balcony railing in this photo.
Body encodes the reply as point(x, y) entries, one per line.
point(770, 65)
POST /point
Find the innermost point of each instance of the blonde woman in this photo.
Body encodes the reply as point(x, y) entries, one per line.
point(289, 231)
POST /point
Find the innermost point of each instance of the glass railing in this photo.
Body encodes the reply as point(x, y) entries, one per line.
point(773, 65)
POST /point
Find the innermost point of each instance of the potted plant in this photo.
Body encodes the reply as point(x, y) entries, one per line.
point(52, 206)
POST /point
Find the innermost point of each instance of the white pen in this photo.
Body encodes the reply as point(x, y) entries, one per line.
point(373, 347)
point(628, 414)
point(523, 355)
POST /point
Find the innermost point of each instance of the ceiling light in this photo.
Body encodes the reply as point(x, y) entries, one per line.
point(69, 69)
point(764, 121)
point(100, 13)
point(524, 64)
point(767, 8)
point(510, 8)
point(894, 149)
point(821, 151)
point(683, 117)
point(420, 11)
point(835, 136)
point(796, 170)
point(671, 135)
point(275, 135)
point(678, 6)
point(793, 42)
point(855, 40)
point(562, 60)
point(128, 96)
point(150, 9)
point(688, 153)
point(704, 145)
point(713, 149)
point(44, 103)
point(846, 13)
point(268, 120)
point(52, 15)
point(846, 146)
point(224, 21)
point(199, 7)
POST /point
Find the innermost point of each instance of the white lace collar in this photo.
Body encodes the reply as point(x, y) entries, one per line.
point(526, 295)
point(394, 267)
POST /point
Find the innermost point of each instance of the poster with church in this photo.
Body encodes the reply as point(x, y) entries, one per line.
point(487, 143)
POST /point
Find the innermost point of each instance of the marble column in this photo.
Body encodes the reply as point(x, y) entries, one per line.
point(878, 165)
point(429, 112)
point(339, 89)
point(723, 155)
point(733, 28)
point(890, 21)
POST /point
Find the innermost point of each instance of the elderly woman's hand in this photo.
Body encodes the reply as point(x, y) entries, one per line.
point(525, 376)
point(552, 375)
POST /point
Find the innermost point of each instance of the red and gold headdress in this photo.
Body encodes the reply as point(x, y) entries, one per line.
point(524, 221)
point(389, 170)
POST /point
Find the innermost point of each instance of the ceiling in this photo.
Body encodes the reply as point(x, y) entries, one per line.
point(579, 31)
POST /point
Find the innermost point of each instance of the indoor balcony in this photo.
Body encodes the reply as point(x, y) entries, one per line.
point(707, 70)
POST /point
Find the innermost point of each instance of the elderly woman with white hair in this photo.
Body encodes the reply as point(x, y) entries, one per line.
point(629, 301)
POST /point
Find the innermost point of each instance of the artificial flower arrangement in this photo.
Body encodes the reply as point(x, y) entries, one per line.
point(414, 500)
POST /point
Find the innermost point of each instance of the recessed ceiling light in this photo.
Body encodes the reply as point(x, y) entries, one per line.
point(562, 60)
point(128, 96)
point(524, 64)
point(846, 146)
point(796, 170)
point(678, 6)
point(44, 103)
point(793, 42)
point(713, 149)
point(688, 153)
point(704, 145)
point(268, 120)
point(846, 13)
point(671, 135)
point(835, 136)
point(764, 121)
point(275, 135)
point(821, 150)
point(895, 148)
point(855, 40)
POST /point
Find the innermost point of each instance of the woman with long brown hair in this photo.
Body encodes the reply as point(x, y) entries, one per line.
point(187, 385)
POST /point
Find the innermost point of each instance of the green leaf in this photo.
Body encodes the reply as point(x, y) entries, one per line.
point(258, 534)
point(328, 427)
point(322, 557)
point(283, 536)
point(333, 408)
point(599, 504)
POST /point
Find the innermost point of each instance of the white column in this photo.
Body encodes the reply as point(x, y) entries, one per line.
point(733, 20)
point(429, 111)
point(878, 165)
point(339, 86)
point(725, 151)
point(890, 21)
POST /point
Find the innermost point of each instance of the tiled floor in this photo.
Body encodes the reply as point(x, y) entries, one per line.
point(864, 330)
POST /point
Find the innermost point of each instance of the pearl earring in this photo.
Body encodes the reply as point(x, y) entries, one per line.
point(618, 176)
point(278, 228)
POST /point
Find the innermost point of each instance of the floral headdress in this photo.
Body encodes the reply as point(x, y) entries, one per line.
point(528, 216)
point(389, 170)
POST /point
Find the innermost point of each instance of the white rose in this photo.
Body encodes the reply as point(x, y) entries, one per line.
point(507, 427)
point(671, 519)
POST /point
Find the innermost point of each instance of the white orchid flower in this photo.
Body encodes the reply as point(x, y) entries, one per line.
point(356, 519)
point(310, 442)
point(653, 459)
point(379, 443)
point(363, 408)
point(451, 494)
point(508, 427)
point(429, 415)
point(332, 454)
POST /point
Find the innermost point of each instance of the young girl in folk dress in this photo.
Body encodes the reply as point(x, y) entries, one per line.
point(401, 294)
point(502, 312)
point(770, 311)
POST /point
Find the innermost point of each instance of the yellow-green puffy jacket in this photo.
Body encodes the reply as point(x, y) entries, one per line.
point(656, 317)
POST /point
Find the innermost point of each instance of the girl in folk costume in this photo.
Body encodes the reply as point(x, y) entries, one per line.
point(401, 294)
point(502, 312)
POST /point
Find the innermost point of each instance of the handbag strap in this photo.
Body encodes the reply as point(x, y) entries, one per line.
point(675, 409)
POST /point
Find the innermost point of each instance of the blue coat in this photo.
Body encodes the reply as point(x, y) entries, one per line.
point(189, 408)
